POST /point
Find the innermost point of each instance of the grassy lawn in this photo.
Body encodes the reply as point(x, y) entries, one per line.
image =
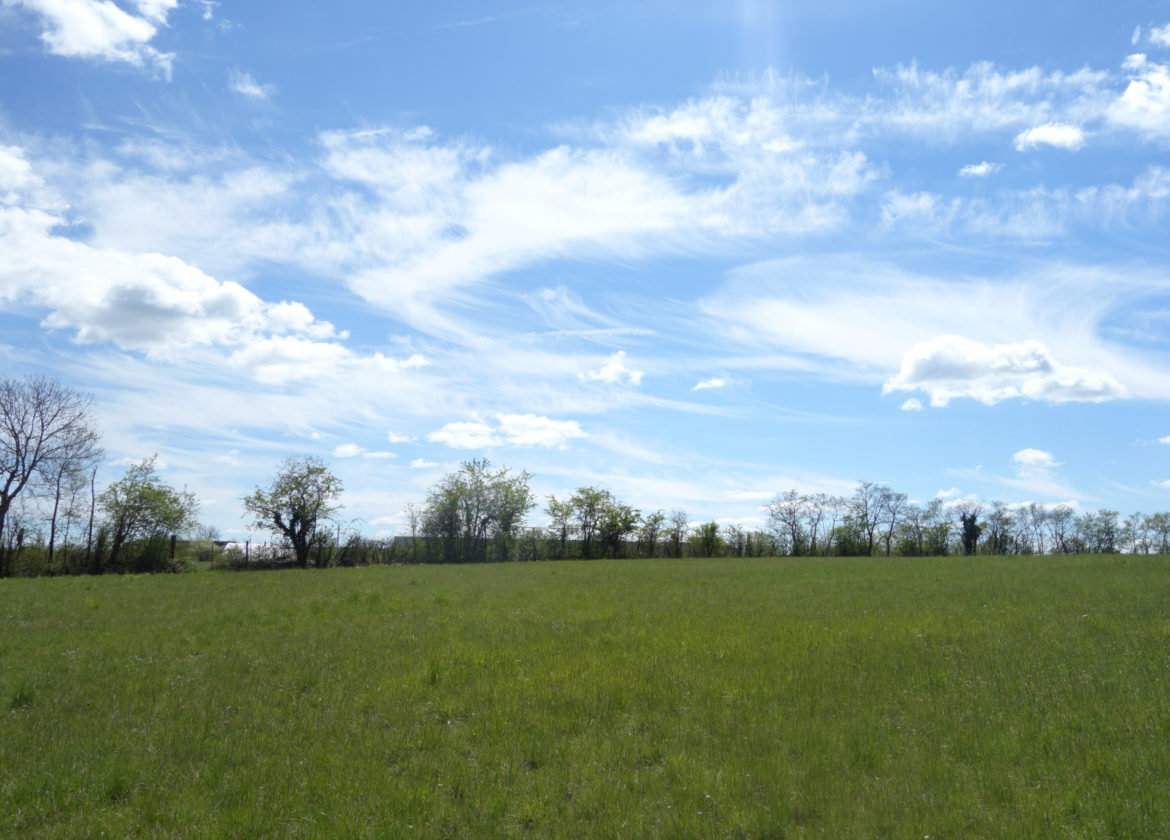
point(986, 697)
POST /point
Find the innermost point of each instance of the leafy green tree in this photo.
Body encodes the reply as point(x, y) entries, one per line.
point(476, 507)
point(653, 527)
point(618, 522)
point(560, 523)
point(302, 495)
point(589, 508)
point(970, 527)
point(140, 511)
point(706, 540)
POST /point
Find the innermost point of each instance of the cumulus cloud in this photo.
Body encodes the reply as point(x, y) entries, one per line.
point(710, 383)
point(245, 85)
point(614, 371)
point(1145, 103)
point(951, 366)
point(1060, 135)
point(1160, 35)
point(1034, 460)
point(1165, 440)
point(912, 404)
point(534, 430)
point(98, 29)
point(394, 437)
point(422, 464)
point(465, 435)
point(155, 304)
point(980, 170)
point(511, 429)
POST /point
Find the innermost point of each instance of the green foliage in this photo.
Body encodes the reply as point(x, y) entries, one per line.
point(141, 515)
point(706, 541)
point(301, 496)
point(476, 513)
point(956, 697)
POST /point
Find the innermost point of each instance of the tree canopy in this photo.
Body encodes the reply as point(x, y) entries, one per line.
point(301, 496)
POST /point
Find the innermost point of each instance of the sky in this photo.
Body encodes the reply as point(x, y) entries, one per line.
point(694, 253)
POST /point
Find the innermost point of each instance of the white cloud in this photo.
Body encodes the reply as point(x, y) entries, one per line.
point(99, 29)
point(394, 437)
point(1060, 135)
point(532, 430)
point(422, 464)
point(912, 404)
point(281, 359)
point(852, 318)
point(512, 429)
point(1160, 35)
point(1145, 103)
point(156, 10)
point(953, 493)
point(465, 435)
point(147, 302)
point(613, 371)
point(244, 84)
point(352, 450)
point(1034, 460)
point(1164, 484)
point(951, 366)
point(980, 170)
point(1165, 440)
point(710, 383)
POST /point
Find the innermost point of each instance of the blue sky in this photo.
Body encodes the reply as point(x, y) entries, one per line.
point(696, 253)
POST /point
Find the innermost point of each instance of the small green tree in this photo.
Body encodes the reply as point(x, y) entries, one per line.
point(560, 523)
point(301, 496)
point(706, 540)
point(140, 510)
point(618, 522)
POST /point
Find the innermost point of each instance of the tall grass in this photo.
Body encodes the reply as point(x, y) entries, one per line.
point(990, 697)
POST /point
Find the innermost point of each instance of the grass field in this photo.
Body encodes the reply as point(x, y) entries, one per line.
point(981, 697)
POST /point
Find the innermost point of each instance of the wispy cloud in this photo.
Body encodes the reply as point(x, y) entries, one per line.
point(244, 84)
point(980, 170)
point(707, 384)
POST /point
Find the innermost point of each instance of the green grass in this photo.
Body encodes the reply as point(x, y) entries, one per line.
point(984, 697)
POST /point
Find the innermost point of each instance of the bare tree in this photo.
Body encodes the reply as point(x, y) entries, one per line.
point(784, 518)
point(679, 521)
point(43, 425)
point(890, 506)
point(865, 508)
point(413, 518)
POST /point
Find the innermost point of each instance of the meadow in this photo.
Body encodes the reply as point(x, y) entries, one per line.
point(775, 698)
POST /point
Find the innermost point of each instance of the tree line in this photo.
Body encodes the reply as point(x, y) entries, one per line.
point(53, 519)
